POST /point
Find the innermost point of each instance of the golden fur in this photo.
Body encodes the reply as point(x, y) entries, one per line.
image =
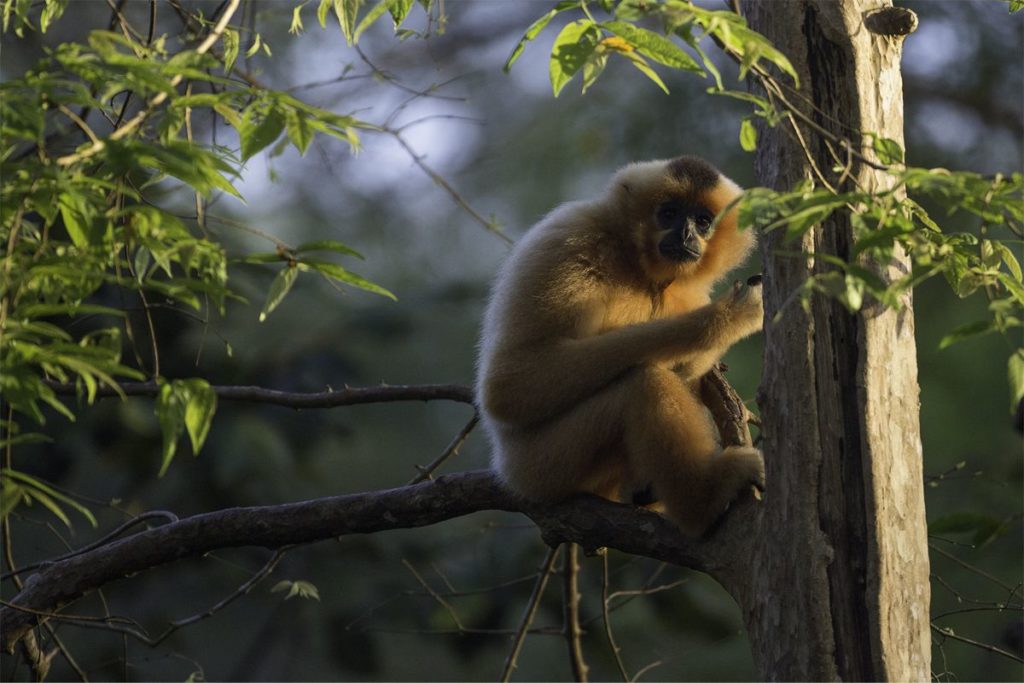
point(594, 343)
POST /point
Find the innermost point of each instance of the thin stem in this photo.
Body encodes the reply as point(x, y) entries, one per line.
point(948, 633)
point(607, 621)
point(452, 450)
point(573, 631)
point(530, 612)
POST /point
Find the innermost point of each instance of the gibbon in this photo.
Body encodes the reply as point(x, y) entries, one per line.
point(598, 330)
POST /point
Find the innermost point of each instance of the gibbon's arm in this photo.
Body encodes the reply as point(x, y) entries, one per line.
point(540, 381)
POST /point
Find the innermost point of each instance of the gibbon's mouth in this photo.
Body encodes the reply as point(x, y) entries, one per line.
point(676, 251)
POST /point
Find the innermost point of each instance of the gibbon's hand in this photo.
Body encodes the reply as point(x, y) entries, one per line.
point(745, 306)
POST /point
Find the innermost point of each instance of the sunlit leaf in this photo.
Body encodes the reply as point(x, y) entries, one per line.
point(199, 410)
point(654, 45)
point(170, 413)
point(256, 138)
point(748, 135)
point(966, 331)
point(572, 48)
point(336, 272)
point(1015, 373)
point(888, 151)
point(328, 245)
point(643, 67)
point(279, 288)
point(232, 43)
point(534, 30)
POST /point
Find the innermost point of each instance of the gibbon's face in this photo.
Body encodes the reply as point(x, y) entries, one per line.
point(684, 229)
point(673, 205)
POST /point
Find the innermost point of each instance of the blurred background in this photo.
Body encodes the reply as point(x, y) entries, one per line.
point(512, 152)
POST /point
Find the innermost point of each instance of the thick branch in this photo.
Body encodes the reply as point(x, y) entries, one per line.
point(592, 522)
point(348, 396)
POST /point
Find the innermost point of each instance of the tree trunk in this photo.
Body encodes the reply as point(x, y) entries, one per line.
point(840, 589)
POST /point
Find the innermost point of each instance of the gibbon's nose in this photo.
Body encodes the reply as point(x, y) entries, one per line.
point(754, 280)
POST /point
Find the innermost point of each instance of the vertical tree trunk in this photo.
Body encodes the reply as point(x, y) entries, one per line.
point(839, 589)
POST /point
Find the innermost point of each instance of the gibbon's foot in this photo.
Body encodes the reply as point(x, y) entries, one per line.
point(742, 467)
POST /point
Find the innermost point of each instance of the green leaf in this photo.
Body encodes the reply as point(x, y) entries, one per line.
point(202, 404)
point(255, 47)
point(170, 413)
point(594, 67)
point(296, 26)
point(347, 11)
point(52, 10)
point(966, 331)
point(1008, 258)
point(75, 214)
point(321, 12)
point(654, 45)
point(278, 290)
point(336, 272)
point(399, 11)
point(1016, 6)
point(46, 495)
point(256, 138)
point(572, 48)
point(534, 29)
point(888, 151)
point(643, 67)
point(300, 132)
point(302, 589)
point(231, 46)
point(1015, 373)
point(328, 245)
point(373, 15)
point(748, 135)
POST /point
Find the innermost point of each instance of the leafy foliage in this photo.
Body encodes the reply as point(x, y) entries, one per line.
point(90, 225)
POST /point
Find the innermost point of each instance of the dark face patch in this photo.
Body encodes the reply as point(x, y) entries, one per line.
point(700, 174)
point(686, 226)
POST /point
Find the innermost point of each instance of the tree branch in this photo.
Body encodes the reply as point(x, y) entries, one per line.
point(590, 521)
point(348, 396)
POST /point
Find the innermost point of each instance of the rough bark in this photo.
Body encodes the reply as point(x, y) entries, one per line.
point(839, 590)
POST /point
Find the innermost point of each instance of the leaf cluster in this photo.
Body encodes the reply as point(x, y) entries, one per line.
point(86, 223)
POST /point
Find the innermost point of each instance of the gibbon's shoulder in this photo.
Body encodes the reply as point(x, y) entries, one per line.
point(577, 242)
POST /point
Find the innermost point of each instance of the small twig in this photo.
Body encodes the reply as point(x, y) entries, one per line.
point(948, 633)
point(243, 589)
point(645, 669)
point(970, 567)
point(607, 620)
point(571, 600)
point(434, 594)
point(445, 185)
point(451, 450)
point(530, 612)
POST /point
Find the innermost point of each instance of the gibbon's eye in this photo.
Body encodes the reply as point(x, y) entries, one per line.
point(703, 219)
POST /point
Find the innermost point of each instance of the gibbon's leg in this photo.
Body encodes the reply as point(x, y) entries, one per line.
point(579, 451)
point(670, 442)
